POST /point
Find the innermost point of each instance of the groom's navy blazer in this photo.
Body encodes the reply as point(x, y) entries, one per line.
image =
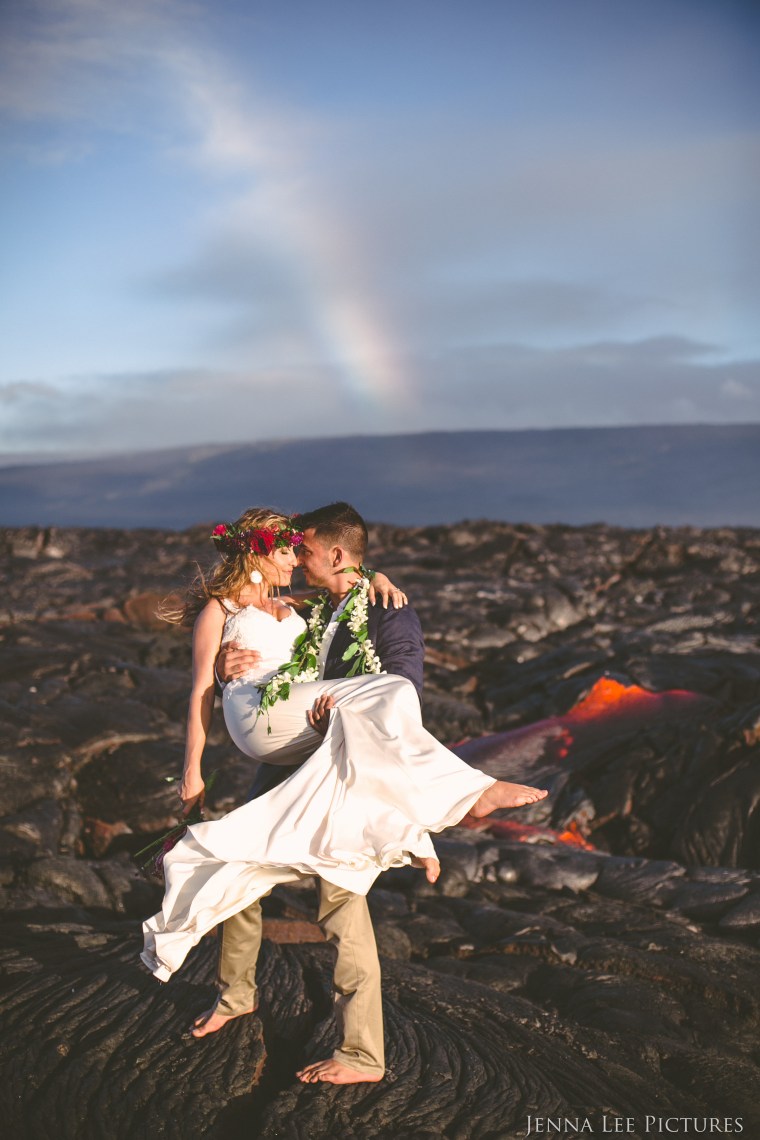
point(397, 638)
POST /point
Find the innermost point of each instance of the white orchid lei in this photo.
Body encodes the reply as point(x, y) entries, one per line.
point(303, 665)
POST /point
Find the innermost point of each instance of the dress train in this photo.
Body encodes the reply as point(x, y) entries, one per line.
point(365, 801)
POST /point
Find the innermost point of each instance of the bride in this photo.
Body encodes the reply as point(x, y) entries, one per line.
point(371, 790)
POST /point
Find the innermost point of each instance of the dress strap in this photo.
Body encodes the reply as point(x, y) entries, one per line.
point(229, 606)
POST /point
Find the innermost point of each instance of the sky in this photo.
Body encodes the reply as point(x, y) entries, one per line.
point(230, 220)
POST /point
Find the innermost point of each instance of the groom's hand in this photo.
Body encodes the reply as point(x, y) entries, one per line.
point(233, 662)
point(319, 714)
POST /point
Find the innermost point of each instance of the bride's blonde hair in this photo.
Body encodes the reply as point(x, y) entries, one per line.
point(231, 574)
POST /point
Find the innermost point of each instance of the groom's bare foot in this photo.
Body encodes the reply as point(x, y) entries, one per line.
point(334, 1073)
point(211, 1021)
point(431, 867)
point(505, 795)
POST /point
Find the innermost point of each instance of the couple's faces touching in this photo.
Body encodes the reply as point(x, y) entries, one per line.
point(315, 559)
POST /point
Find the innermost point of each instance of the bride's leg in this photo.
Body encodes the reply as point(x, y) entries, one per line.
point(390, 708)
point(282, 735)
point(389, 722)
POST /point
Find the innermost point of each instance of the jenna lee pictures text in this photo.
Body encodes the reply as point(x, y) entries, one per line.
point(633, 1125)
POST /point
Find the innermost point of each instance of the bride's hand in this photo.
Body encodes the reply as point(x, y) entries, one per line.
point(381, 588)
point(192, 790)
point(233, 662)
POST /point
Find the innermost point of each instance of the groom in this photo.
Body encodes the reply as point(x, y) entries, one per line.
point(335, 539)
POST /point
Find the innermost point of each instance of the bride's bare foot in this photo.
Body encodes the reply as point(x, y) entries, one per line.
point(334, 1072)
point(505, 795)
point(211, 1021)
point(431, 867)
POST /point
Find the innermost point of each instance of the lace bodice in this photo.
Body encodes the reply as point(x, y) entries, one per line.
point(252, 628)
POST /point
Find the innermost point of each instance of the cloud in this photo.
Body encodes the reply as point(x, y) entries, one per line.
point(131, 411)
point(495, 243)
point(26, 391)
point(89, 61)
point(389, 267)
point(662, 380)
point(502, 386)
point(119, 68)
point(735, 389)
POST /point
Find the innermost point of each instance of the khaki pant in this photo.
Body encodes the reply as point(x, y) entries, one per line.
point(285, 738)
point(344, 918)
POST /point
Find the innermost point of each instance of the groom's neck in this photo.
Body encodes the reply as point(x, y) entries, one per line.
point(340, 586)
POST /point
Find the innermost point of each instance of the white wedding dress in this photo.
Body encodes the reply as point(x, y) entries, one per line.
point(364, 800)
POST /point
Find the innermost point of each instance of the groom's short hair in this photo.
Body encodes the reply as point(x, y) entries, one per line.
point(338, 524)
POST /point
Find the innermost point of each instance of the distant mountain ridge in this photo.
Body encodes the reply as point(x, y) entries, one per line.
point(698, 475)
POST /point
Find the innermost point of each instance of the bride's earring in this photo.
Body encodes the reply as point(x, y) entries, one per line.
point(256, 577)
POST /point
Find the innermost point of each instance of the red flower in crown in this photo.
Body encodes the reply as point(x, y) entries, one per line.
point(260, 541)
point(226, 538)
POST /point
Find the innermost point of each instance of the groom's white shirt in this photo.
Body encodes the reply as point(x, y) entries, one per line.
point(330, 631)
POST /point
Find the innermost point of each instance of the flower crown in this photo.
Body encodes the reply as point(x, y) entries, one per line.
point(231, 539)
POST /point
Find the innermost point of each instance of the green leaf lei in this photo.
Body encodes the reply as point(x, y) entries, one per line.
point(303, 665)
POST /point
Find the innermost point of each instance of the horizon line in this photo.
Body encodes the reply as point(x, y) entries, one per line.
point(49, 459)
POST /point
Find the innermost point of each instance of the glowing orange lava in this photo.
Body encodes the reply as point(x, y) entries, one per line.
point(528, 832)
point(573, 835)
point(609, 695)
point(609, 707)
